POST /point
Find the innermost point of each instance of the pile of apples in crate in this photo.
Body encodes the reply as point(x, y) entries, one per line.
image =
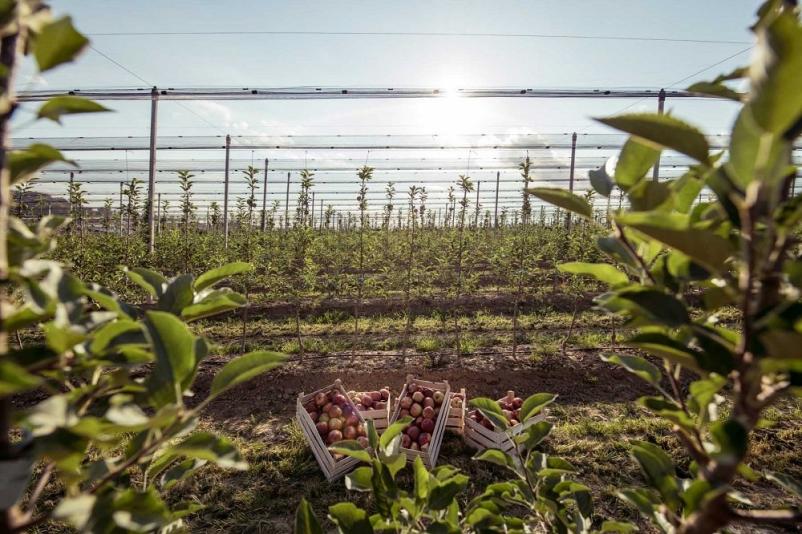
point(335, 419)
point(423, 405)
point(510, 407)
point(370, 400)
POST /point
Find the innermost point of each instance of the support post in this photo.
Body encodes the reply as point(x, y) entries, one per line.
point(476, 217)
point(287, 204)
point(571, 178)
point(158, 213)
point(661, 103)
point(264, 199)
point(225, 194)
point(312, 212)
point(122, 222)
point(321, 213)
point(495, 210)
point(154, 103)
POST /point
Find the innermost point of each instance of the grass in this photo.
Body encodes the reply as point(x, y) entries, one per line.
point(592, 436)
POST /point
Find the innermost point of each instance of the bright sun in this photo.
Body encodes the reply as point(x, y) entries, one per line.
point(449, 114)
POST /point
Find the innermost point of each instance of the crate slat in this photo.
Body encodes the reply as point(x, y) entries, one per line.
point(456, 416)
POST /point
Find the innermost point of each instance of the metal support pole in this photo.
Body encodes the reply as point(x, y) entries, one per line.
point(121, 209)
point(495, 210)
point(571, 177)
point(321, 214)
point(154, 104)
point(225, 194)
point(661, 102)
point(264, 199)
point(476, 217)
point(287, 204)
point(159, 213)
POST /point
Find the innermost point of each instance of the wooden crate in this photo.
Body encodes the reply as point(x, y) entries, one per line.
point(332, 468)
point(430, 456)
point(456, 416)
point(380, 418)
point(481, 438)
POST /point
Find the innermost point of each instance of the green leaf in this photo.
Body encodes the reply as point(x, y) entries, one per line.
point(787, 482)
point(603, 272)
point(674, 229)
point(15, 379)
point(648, 195)
point(562, 198)
point(244, 368)
point(619, 527)
point(442, 495)
point(24, 163)
point(496, 456)
point(174, 347)
point(667, 410)
point(394, 430)
point(656, 305)
point(116, 333)
point(360, 479)
point(662, 131)
point(659, 470)
point(662, 345)
point(634, 162)
point(534, 404)
point(216, 304)
point(57, 43)
point(637, 366)
point(534, 434)
point(715, 89)
point(421, 480)
point(776, 100)
point(349, 518)
point(731, 439)
point(75, 510)
point(152, 282)
point(207, 446)
point(177, 295)
point(601, 181)
point(492, 411)
point(212, 277)
point(54, 108)
point(351, 448)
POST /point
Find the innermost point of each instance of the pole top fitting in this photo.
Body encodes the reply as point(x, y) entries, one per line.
point(573, 136)
point(662, 94)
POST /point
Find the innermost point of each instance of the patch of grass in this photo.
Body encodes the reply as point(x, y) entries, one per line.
point(427, 344)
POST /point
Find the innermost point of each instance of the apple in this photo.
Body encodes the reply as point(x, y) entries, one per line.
point(413, 432)
point(335, 423)
point(310, 406)
point(380, 406)
point(428, 401)
point(406, 402)
point(360, 430)
point(406, 441)
point(321, 399)
point(367, 400)
point(412, 388)
point(385, 393)
point(349, 432)
point(351, 420)
point(322, 428)
point(424, 438)
point(314, 416)
point(347, 409)
point(427, 425)
point(456, 402)
point(415, 410)
point(428, 412)
point(363, 442)
point(427, 392)
point(334, 436)
point(517, 402)
point(361, 407)
point(327, 407)
point(376, 396)
point(403, 413)
point(438, 397)
point(339, 399)
point(323, 418)
point(418, 420)
point(418, 396)
point(335, 411)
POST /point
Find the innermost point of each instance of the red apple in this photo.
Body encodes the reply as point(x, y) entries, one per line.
point(335, 423)
point(322, 428)
point(517, 402)
point(339, 399)
point(403, 413)
point(314, 416)
point(428, 401)
point(360, 429)
point(334, 436)
point(428, 412)
point(349, 432)
point(412, 388)
point(323, 418)
point(418, 396)
point(413, 432)
point(376, 396)
point(363, 442)
point(427, 425)
point(406, 441)
point(327, 407)
point(335, 411)
point(385, 393)
point(380, 406)
point(415, 410)
point(406, 402)
point(351, 420)
point(427, 392)
point(367, 400)
point(347, 409)
point(424, 438)
point(321, 399)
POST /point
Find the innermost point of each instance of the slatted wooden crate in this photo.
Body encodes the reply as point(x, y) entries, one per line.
point(332, 468)
point(381, 417)
point(479, 437)
point(429, 456)
point(456, 415)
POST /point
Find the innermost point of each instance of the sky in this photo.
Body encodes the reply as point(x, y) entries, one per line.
point(530, 48)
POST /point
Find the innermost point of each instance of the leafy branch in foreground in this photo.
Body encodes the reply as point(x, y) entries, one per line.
point(738, 252)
